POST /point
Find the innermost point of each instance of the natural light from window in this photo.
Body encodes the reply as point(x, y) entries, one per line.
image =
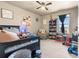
point(66, 24)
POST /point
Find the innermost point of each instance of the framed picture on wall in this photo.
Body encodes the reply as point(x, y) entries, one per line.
point(5, 13)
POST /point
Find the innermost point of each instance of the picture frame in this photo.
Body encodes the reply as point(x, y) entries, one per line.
point(5, 13)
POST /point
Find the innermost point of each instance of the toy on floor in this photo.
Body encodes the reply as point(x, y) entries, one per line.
point(67, 40)
point(73, 49)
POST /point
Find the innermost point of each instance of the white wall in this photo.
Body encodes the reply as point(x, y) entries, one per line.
point(73, 18)
point(78, 18)
point(18, 16)
point(78, 29)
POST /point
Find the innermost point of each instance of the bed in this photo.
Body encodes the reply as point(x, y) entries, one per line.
point(31, 43)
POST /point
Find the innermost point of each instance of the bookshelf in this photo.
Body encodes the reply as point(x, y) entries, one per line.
point(52, 29)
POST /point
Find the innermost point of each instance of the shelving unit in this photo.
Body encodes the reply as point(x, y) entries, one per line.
point(52, 29)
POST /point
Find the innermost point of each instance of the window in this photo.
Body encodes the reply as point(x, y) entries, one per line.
point(66, 24)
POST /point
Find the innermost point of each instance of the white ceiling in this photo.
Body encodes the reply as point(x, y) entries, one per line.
point(32, 5)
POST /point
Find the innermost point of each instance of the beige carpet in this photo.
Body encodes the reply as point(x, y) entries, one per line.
point(54, 49)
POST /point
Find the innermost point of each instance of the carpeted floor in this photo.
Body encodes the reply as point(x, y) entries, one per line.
point(54, 49)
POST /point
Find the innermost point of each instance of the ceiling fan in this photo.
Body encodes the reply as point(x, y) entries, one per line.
point(44, 5)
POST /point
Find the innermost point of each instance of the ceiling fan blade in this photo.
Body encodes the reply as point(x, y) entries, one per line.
point(38, 7)
point(38, 2)
point(48, 3)
point(46, 8)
